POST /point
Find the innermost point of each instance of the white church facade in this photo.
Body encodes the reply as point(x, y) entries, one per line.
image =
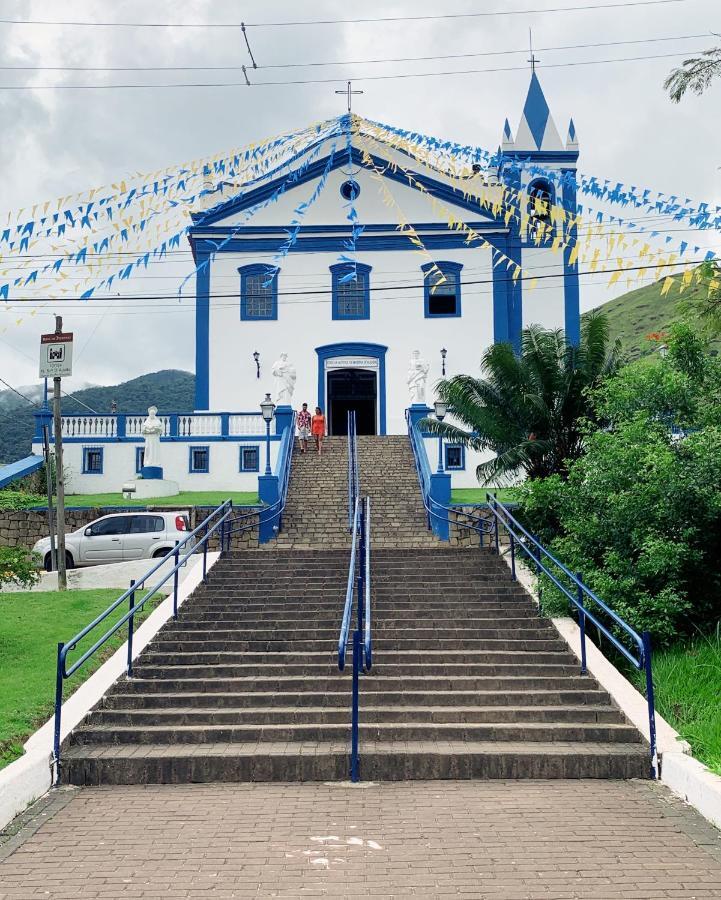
point(349, 290)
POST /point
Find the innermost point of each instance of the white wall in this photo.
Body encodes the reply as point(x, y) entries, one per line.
point(119, 466)
point(396, 315)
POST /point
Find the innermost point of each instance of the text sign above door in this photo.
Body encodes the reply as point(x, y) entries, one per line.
point(351, 362)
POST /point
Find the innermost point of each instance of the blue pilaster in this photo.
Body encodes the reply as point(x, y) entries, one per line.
point(284, 416)
point(500, 296)
point(572, 312)
point(440, 493)
point(43, 416)
point(202, 332)
point(268, 494)
point(515, 286)
point(121, 425)
point(418, 411)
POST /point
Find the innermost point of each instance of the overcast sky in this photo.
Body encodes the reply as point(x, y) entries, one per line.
point(57, 142)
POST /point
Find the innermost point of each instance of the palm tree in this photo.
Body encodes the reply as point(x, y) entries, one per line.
point(529, 408)
point(695, 74)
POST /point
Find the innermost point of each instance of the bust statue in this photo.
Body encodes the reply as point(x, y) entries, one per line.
point(151, 430)
point(417, 376)
point(285, 375)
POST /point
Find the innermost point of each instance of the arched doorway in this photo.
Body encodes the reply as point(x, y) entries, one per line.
point(352, 389)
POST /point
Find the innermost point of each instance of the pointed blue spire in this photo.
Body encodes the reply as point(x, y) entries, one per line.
point(537, 130)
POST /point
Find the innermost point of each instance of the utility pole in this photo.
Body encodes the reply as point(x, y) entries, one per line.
point(59, 475)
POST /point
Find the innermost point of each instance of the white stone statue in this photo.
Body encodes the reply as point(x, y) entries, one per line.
point(151, 430)
point(417, 376)
point(285, 375)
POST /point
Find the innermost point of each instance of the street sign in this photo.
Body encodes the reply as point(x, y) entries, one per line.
point(56, 355)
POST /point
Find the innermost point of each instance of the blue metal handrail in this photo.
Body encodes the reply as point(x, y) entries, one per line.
point(359, 584)
point(434, 509)
point(579, 594)
point(353, 481)
point(219, 518)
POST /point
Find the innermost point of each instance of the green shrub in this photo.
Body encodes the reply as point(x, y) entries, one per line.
point(14, 499)
point(18, 566)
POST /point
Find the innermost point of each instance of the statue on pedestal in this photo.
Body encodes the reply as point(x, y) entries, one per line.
point(285, 375)
point(417, 376)
point(151, 430)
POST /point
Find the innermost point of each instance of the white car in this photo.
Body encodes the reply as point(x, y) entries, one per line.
point(120, 537)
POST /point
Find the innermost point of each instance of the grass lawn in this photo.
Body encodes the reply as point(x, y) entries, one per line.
point(31, 625)
point(478, 495)
point(687, 681)
point(184, 498)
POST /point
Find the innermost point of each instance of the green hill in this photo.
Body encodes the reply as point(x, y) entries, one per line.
point(638, 313)
point(171, 390)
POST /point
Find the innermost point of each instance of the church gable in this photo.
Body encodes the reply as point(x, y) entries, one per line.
point(374, 189)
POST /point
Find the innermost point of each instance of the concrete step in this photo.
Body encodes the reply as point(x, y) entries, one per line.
point(192, 715)
point(547, 732)
point(144, 694)
point(328, 761)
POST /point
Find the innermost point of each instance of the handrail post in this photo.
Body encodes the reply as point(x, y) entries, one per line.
point(537, 557)
point(176, 559)
point(354, 761)
point(58, 712)
point(205, 556)
point(582, 622)
point(646, 637)
point(495, 526)
point(513, 557)
point(361, 566)
point(131, 628)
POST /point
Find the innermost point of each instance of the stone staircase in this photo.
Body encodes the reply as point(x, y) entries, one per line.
point(467, 682)
point(316, 514)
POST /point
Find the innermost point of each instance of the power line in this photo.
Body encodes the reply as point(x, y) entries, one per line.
point(22, 396)
point(389, 77)
point(375, 288)
point(369, 20)
point(342, 62)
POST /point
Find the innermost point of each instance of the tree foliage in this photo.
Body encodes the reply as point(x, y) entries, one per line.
point(694, 74)
point(528, 408)
point(640, 512)
point(17, 566)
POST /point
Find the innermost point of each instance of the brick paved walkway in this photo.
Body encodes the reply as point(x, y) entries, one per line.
point(502, 840)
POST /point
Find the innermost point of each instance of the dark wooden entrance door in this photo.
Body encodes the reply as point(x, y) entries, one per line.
point(352, 389)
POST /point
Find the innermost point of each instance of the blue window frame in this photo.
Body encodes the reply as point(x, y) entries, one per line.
point(139, 459)
point(93, 460)
point(249, 458)
point(199, 459)
point(442, 298)
point(351, 291)
point(258, 292)
point(455, 457)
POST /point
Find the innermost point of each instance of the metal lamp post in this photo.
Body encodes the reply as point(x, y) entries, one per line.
point(256, 360)
point(444, 353)
point(441, 409)
point(267, 408)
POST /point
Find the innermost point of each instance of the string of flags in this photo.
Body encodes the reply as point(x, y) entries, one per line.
point(73, 245)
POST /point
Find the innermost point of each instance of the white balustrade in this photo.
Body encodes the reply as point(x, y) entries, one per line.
point(246, 424)
point(89, 426)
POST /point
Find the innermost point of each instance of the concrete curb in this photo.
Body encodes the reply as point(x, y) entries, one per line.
point(680, 772)
point(28, 778)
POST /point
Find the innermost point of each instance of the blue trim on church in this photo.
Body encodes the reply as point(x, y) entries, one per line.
point(571, 298)
point(355, 348)
point(202, 331)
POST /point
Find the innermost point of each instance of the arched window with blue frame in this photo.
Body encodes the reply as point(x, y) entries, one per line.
point(442, 295)
point(541, 198)
point(258, 292)
point(350, 283)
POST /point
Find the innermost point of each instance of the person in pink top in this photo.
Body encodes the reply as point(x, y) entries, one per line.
point(303, 422)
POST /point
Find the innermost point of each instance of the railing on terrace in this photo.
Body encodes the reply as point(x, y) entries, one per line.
point(175, 425)
point(196, 541)
point(587, 605)
point(358, 586)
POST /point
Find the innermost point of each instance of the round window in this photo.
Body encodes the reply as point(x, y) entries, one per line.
point(349, 190)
